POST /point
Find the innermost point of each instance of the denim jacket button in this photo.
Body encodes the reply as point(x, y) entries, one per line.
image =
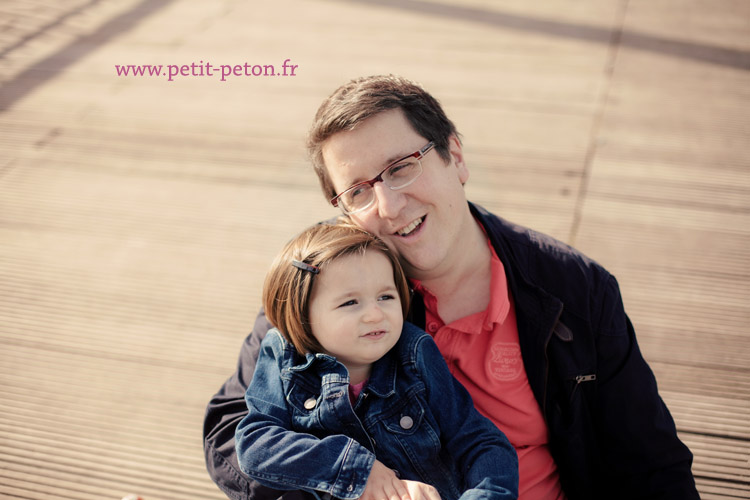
point(310, 404)
point(406, 422)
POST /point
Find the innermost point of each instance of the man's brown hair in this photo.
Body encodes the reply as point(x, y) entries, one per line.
point(361, 98)
point(287, 288)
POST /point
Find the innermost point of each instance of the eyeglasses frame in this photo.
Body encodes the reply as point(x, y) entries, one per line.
point(419, 154)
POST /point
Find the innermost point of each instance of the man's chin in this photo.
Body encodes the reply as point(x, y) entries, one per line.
point(415, 266)
point(391, 242)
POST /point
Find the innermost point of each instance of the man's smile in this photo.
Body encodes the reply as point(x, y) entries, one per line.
point(408, 229)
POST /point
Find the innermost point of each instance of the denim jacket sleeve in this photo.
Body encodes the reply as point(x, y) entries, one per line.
point(224, 411)
point(485, 458)
point(270, 451)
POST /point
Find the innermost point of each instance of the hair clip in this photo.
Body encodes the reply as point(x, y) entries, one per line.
point(305, 267)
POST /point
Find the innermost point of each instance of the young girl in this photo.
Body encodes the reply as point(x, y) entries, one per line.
point(349, 400)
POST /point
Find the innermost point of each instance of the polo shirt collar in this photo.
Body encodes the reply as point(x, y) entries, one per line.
point(497, 310)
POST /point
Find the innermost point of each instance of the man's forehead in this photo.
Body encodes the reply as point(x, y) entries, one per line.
point(371, 146)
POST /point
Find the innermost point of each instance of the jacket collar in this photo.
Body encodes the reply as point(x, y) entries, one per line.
point(537, 311)
point(499, 232)
point(382, 381)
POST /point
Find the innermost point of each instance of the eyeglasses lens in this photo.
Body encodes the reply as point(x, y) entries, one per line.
point(396, 177)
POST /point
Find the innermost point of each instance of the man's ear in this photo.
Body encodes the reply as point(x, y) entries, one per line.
point(457, 157)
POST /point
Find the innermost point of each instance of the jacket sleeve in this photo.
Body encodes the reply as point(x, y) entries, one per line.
point(225, 409)
point(273, 453)
point(641, 449)
point(486, 460)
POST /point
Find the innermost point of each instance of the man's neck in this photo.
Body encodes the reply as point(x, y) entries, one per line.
point(463, 287)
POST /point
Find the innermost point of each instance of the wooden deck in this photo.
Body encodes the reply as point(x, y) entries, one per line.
point(138, 214)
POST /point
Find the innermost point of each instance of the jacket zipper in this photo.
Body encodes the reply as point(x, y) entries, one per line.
point(579, 380)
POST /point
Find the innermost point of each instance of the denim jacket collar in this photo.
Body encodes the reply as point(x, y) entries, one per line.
point(382, 381)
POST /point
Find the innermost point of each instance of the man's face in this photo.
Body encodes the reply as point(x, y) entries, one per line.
point(423, 222)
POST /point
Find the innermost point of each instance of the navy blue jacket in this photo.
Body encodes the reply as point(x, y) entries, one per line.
point(610, 433)
point(302, 432)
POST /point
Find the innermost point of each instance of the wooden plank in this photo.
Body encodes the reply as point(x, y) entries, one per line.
point(138, 216)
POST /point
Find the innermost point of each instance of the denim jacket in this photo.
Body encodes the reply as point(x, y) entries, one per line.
point(302, 432)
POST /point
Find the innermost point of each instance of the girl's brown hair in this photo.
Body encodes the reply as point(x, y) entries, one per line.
point(287, 288)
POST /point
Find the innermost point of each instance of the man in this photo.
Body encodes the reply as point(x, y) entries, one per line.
point(533, 329)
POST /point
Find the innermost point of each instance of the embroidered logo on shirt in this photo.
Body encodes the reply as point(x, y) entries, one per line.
point(505, 364)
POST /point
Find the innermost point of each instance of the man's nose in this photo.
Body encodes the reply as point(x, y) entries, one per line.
point(390, 202)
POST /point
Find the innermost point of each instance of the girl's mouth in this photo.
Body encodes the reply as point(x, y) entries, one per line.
point(374, 335)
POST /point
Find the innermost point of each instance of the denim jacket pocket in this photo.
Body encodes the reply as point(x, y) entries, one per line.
point(303, 395)
point(304, 399)
point(405, 427)
point(406, 418)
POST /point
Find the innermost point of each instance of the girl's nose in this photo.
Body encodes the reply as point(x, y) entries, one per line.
point(373, 313)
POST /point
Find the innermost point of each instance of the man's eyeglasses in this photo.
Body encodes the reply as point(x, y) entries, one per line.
point(397, 175)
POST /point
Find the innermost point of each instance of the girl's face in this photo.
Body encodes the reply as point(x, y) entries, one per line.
point(355, 311)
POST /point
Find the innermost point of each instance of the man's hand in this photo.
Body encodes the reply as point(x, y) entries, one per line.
point(421, 491)
point(384, 485)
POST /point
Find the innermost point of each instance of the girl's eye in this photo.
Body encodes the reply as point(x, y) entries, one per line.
point(387, 296)
point(348, 303)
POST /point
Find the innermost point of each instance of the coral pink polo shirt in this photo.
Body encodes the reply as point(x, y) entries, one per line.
point(483, 353)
